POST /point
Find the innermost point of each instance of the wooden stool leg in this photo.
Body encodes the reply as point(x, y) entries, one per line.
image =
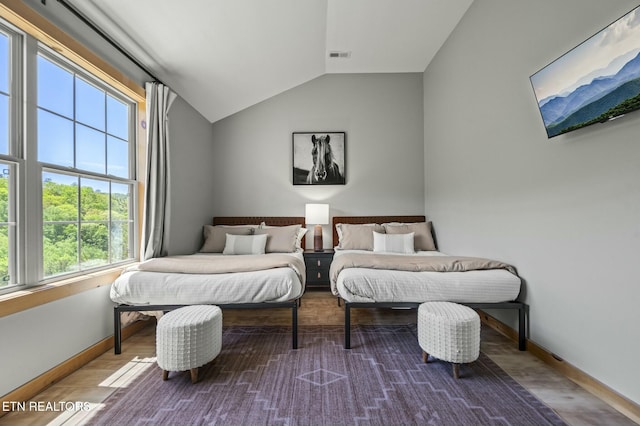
point(194, 375)
point(165, 375)
point(456, 371)
point(425, 357)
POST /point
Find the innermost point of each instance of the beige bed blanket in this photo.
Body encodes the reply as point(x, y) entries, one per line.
point(190, 264)
point(412, 263)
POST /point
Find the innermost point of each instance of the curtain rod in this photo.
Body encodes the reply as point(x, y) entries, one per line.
point(105, 36)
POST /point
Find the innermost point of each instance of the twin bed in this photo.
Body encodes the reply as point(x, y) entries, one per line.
point(360, 276)
point(274, 279)
point(367, 279)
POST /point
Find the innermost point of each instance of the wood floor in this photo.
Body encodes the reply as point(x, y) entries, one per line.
point(95, 381)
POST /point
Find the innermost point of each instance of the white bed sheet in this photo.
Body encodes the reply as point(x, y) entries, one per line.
point(372, 285)
point(156, 288)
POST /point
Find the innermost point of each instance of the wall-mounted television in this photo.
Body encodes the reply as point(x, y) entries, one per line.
point(597, 81)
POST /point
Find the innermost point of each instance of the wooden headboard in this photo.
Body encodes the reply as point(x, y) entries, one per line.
point(257, 220)
point(370, 219)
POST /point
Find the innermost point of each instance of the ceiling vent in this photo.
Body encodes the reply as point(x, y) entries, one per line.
point(337, 54)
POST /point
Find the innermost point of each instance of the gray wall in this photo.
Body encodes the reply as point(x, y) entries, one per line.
point(382, 116)
point(38, 339)
point(191, 203)
point(563, 211)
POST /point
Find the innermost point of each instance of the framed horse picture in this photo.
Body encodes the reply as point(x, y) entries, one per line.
point(318, 158)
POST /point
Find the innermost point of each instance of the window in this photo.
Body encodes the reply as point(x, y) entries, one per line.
point(9, 41)
point(74, 161)
point(86, 222)
point(7, 224)
point(83, 146)
point(4, 91)
point(4, 144)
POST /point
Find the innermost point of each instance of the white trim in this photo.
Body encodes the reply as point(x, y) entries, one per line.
point(31, 183)
point(14, 149)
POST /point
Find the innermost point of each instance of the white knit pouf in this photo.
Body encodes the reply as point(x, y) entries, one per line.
point(188, 338)
point(449, 332)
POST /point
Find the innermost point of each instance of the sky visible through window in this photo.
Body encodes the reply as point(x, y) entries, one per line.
point(4, 167)
point(4, 94)
point(80, 125)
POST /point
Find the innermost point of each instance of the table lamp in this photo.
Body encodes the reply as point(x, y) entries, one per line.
point(318, 215)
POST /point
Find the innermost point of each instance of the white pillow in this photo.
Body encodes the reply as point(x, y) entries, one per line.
point(393, 243)
point(245, 244)
point(299, 238)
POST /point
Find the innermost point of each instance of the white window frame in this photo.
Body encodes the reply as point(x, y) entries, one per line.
point(14, 156)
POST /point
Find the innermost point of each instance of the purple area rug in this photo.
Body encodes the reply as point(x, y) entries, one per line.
point(259, 380)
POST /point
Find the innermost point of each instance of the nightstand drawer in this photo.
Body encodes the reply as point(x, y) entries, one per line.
point(317, 264)
point(317, 276)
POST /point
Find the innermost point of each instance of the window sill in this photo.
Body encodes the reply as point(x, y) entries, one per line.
point(31, 297)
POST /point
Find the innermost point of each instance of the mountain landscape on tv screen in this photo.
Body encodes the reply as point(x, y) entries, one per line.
point(603, 98)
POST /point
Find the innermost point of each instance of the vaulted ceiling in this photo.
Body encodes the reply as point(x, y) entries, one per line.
point(223, 56)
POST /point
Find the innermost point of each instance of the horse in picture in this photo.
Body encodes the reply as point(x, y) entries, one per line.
point(324, 169)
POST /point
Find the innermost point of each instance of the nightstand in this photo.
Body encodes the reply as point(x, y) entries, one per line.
point(317, 264)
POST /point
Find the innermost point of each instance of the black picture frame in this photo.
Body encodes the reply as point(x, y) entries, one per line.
point(306, 146)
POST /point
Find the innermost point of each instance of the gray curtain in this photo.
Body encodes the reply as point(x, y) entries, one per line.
point(155, 223)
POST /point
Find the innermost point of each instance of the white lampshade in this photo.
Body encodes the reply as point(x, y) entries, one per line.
point(316, 214)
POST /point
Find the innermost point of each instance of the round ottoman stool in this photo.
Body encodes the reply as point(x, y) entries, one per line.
point(449, 332)
point(188, 338)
